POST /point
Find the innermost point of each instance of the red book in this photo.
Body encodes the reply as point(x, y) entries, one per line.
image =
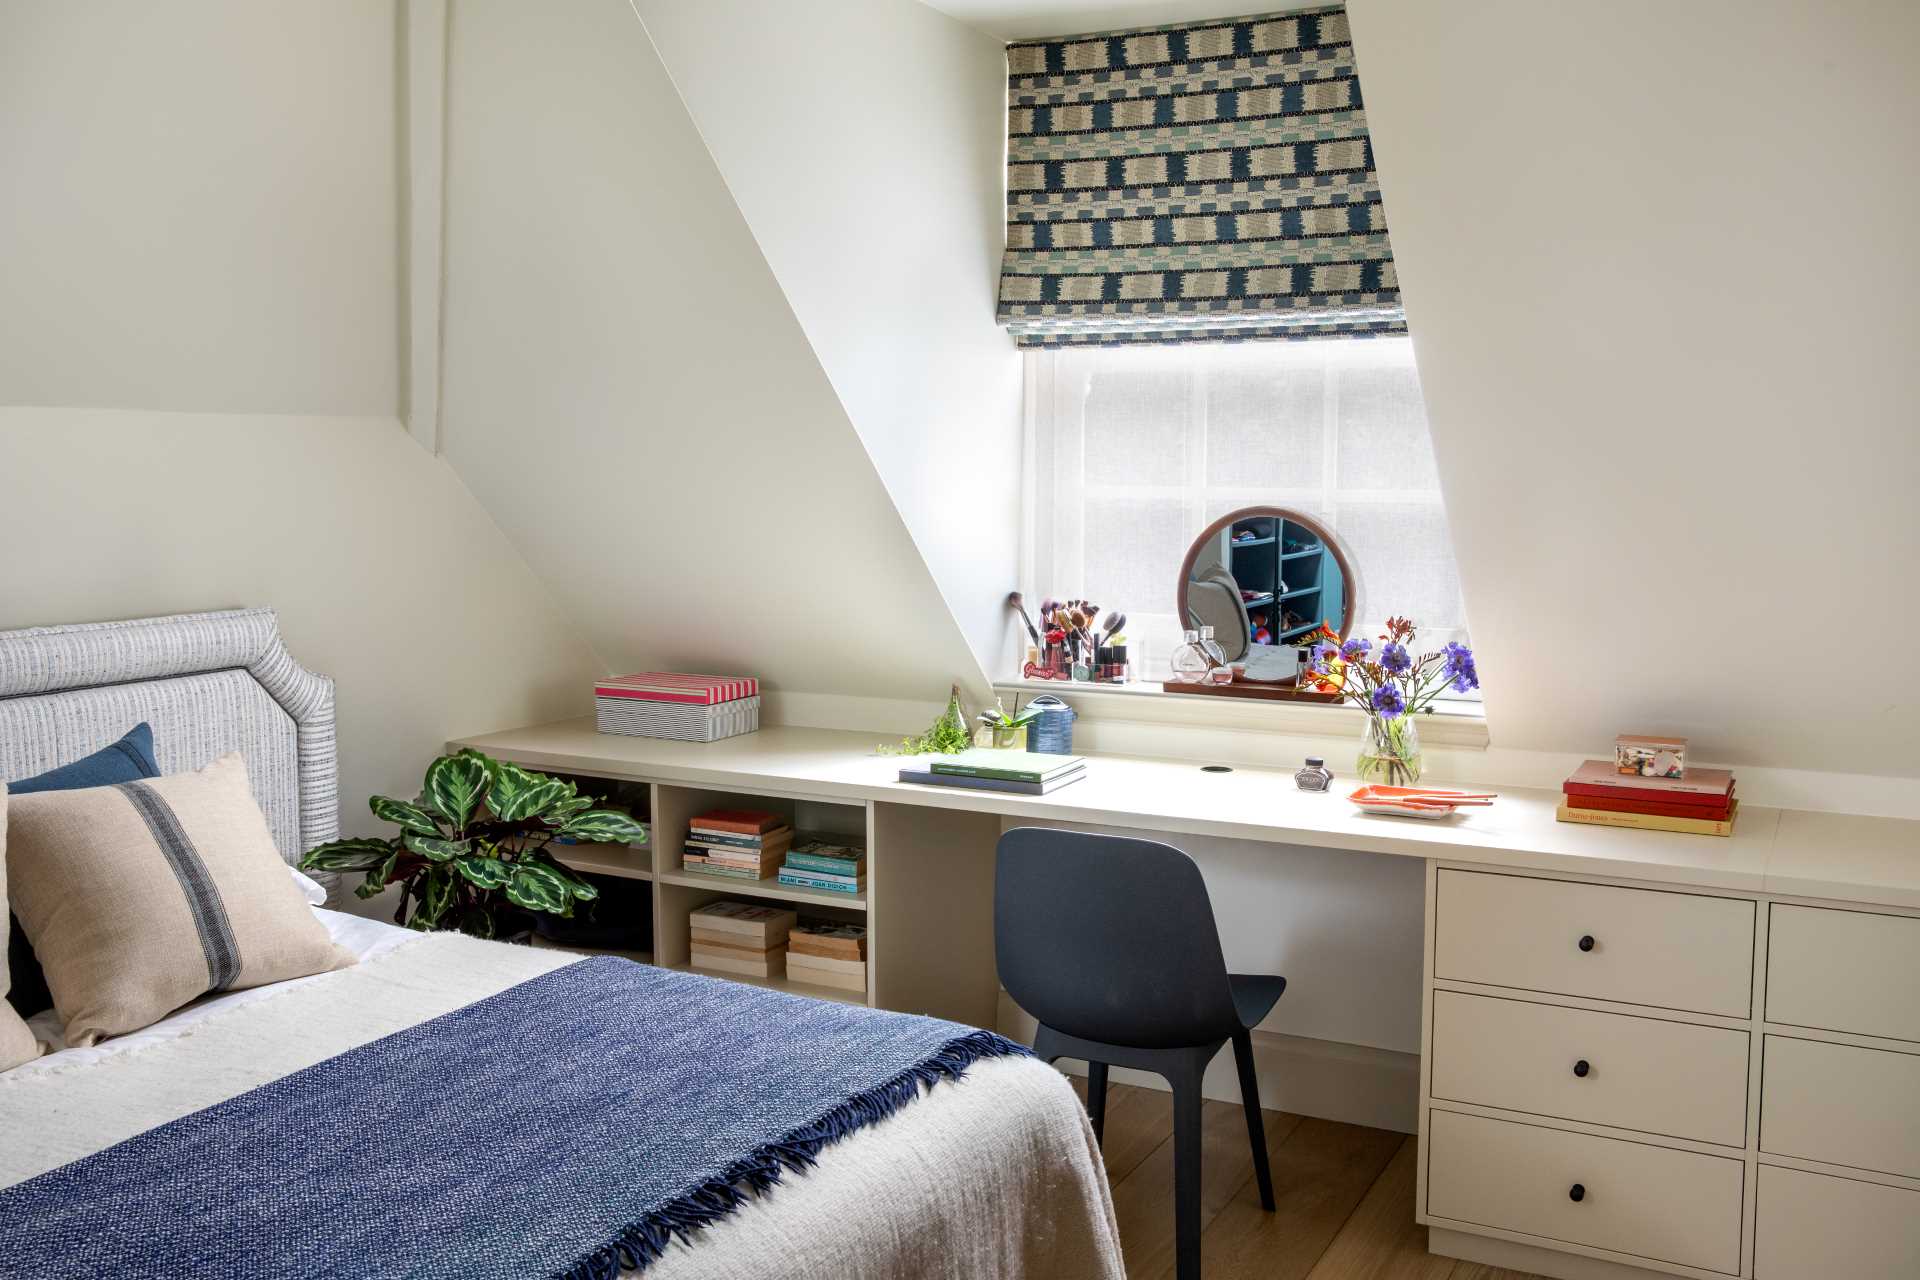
point(1700, 789)
point(1626, 804)
point(746, 822)
point(673, 686)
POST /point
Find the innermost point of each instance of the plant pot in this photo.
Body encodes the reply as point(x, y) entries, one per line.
point(1389, 752)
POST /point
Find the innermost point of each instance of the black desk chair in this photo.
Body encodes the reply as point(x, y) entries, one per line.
point(1110, 943)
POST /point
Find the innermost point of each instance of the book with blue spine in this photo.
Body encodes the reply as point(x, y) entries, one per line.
point(831, 884)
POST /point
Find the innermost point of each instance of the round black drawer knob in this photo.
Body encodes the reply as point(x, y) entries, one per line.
point(1586, 942)
point(1581, 1068)
point(1577, 1193)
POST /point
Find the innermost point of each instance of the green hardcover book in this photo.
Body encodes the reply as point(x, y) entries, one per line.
point(1009, 766)
point(845, 863)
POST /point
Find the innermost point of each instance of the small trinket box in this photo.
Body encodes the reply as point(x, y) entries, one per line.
point(1645, 756)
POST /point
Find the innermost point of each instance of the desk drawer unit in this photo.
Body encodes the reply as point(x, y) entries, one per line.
point(1844, 971)
point(1840, 1104)
point(1809, 1225)
point(1682, 951)
point(1627, 1197)
point(1649, 1074)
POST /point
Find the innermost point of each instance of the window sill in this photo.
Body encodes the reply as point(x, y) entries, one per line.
point(1456, 726)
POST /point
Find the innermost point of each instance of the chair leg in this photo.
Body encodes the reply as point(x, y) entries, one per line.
point(1186, 1170)
point(1256, 1126)
point(1097, 1099)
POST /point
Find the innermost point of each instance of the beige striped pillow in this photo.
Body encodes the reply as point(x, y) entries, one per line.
point(143, 896)
point(17, 1044)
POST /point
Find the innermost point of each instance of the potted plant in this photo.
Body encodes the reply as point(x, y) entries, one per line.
point(472, 850)
point(1392, 687)
point(1006, 729)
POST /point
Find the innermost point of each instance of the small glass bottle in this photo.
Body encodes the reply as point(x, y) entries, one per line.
point(1188, 661)
point(1315, 776)
point(1218, 672)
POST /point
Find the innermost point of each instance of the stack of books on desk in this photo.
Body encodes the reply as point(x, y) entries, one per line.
point(1701, 803)
point(986, 769)
point(744, 844)
point(832, 863)
point(670, 704)
point(741, 937)
point(828, 954)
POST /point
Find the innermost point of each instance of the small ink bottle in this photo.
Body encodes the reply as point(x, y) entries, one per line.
point(1315, 777)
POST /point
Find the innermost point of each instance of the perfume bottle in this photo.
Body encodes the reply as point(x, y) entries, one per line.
point(1315, 776)
point(1188, 660)
point(1218, 672)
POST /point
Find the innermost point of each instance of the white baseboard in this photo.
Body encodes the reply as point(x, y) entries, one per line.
point(1350, 1083)
point(1513, 1255)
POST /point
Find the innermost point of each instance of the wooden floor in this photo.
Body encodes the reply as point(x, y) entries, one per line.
point(1343, 1197)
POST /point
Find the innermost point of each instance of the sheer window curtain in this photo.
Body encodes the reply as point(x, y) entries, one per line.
point(1132, 451)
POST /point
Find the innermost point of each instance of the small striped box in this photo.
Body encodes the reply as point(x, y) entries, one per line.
point(668, 704)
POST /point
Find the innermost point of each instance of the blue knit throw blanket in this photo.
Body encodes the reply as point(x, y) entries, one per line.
point(568, 1126)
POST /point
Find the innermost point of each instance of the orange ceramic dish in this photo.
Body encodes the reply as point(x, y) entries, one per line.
point(1417, 802)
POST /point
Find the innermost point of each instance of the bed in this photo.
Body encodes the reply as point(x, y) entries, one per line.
point(980, 1165)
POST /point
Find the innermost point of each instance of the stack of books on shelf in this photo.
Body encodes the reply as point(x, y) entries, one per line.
point(1701, 802)
point(670, 704)
point(834, 864)
point(740, 844)
point(828, 954)
point(741, 938)
point(986, 769)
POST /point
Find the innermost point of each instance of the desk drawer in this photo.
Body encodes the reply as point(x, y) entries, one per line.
point(1807, 1224)
point(1844, 971)
point(1670, 950)
point(1656, 1076)
point(1841, 1105)
point(1652, 1202)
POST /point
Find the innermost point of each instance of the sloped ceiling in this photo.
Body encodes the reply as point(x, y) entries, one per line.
point(1660, 271)
point(629, 393)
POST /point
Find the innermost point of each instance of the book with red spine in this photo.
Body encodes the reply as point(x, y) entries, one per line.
point(1629, 804)
point(1701, 788)
point(745, 822)
point(676, 686)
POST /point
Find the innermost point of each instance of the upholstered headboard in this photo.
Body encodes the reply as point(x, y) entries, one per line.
point(208, 683)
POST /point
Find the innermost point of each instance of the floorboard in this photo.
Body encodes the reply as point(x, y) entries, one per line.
point(1343, 1197)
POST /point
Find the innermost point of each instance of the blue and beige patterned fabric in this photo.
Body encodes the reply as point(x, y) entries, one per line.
point(208, 683)
point(1206, 182)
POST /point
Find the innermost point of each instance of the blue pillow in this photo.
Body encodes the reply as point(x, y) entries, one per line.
point(127, 760)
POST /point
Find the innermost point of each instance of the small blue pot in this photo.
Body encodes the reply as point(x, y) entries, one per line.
point(1051, 732)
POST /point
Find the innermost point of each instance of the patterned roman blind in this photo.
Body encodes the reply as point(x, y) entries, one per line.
point(1206, 182)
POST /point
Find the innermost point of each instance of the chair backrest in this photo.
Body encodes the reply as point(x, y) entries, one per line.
point(1110, 938)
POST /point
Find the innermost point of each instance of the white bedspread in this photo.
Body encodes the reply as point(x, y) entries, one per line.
point(993, 1176)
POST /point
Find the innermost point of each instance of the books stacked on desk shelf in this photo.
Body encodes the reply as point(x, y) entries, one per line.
point(741, 937)
point(741, 844)
point(828, 954)
point(986, 769)
point(1701, 803)
point(831, 864)
point(670, 704)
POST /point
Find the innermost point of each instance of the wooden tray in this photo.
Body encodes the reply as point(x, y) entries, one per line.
point(1251, 689)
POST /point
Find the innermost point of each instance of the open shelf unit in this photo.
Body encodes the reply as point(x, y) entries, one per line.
point(1282, 567)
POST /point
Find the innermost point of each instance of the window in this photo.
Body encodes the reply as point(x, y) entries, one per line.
point(1132, 451)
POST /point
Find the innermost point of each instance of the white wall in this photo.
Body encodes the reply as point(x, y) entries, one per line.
point(166, 168)
point(864, 142)
point(1660, 271)
point(199, 226)
point(629, 393)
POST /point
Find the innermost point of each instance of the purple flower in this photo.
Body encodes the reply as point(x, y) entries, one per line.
point(1388, 702)
point(1355, 649)
point(1460, 670)
point(1322, 657)
point(1393, 657)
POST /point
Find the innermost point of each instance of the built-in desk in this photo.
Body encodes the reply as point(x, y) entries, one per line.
point(1644, 957)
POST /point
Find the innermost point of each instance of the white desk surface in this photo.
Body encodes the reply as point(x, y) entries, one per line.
point(1790, 852)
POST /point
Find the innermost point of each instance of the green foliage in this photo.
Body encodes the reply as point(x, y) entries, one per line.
point(947, 736)
point(475, 845)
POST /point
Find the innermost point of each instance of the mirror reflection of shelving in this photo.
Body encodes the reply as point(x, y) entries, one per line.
point(1283, 568)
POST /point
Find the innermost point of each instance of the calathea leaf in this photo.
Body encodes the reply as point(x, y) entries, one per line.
point(575, 885)
point(604, 826)
point(485, 873)
point(436, 850)
point(436, 895)
point(454, 785)
point(537, 889)
point(507, 792)
point(541, 798)
point(409, 817)
point(378, 878)
point(555, 815)
point(346, 855)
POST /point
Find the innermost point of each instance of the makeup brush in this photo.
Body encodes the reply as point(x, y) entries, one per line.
point(1111, 627)
point(1019, 606)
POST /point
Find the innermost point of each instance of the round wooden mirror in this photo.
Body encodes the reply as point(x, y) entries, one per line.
point(1264, 578)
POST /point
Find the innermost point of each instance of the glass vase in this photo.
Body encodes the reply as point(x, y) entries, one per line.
point(1389, 752)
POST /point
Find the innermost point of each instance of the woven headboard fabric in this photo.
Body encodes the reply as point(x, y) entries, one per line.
point(208, 683)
